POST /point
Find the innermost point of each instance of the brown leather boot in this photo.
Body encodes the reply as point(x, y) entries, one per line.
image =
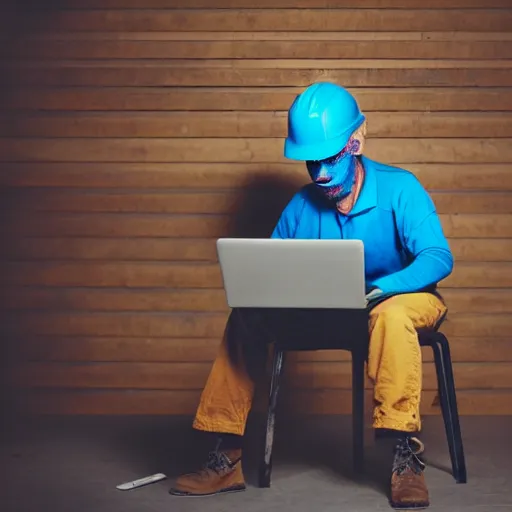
point(221, 474)
point(408, 487)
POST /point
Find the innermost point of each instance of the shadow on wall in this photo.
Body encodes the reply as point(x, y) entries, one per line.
point(258, 207)
point(260, 204)
point(19, 17)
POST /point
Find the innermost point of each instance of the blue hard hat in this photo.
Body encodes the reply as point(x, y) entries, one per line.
point(321, 121)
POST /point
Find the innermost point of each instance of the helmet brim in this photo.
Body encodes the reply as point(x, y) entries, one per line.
point(322, 151)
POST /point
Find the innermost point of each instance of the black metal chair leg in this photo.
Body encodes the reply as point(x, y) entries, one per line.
point(455, 436)
point(358, 361)
point(266, 463)
point(442, 388)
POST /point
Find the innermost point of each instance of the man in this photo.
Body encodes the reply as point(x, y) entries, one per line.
point(406, 255)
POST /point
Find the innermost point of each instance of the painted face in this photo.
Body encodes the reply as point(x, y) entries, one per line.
point(335, 175)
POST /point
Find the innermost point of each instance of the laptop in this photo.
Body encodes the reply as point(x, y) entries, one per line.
point(292, 273)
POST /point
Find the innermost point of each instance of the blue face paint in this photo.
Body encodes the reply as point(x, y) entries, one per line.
point(335, 176)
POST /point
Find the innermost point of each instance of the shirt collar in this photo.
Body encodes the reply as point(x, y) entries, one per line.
point(368, 196)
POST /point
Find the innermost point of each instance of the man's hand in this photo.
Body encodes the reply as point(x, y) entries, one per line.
point(373, 295)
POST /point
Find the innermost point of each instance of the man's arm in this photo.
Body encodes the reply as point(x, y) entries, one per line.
point(424, 240)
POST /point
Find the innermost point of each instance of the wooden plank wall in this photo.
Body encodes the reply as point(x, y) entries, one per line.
point(135, 132)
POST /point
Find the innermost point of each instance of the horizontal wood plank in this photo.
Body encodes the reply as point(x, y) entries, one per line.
point(485, 300)
point(79, 299)
point(119, 225)
point(69, 200)
point(152, 75)
point(486, 249)
point(193, 376)
point(137, 402)
point(164, 249)
point(278, 4)
point(478, 325)
point(264, 150)
point(148, 249)
point(459, 202)
point(101, 402)
point(201, 300)
point(277, 19)
point(198, 202)
point(207, 226)
point(220, 124)
point(477, 225)
point(267, 35)
point(249, 176)
point(25, 66)
point(392, 99)
point(189, 350)
point(147, 274)
point(118, 349)
point(91, 49)
point(479, 275)
point(117, 324)
point(195, 325)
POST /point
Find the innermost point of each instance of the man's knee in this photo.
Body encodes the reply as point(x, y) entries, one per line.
point(389, 313)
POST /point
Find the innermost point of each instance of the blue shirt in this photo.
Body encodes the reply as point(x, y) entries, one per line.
point(394, 216)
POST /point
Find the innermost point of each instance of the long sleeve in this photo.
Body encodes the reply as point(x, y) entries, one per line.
point(426, 245)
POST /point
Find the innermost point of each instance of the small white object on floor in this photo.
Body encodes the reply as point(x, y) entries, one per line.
point(127, 486)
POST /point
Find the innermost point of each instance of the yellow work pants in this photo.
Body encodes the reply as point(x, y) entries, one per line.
point(394, 366)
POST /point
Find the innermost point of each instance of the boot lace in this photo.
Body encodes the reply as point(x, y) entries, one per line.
point(218, 462)
point(406, 459)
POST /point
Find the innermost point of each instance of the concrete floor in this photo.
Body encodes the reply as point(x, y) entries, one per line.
point(73, 465)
